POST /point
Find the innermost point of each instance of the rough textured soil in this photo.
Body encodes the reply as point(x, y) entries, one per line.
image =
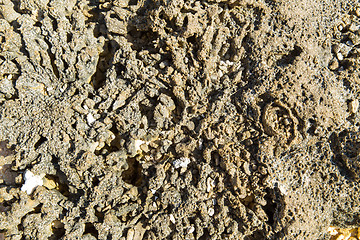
point(154, 119)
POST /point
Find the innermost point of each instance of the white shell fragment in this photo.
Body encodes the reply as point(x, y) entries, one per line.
point(181, 162)
point(130, 234)
point(210, 184)
point(137, 144)
point(31, 182)
point(211, 212)
point(354, 106)
point(332, 231)
point(90, 119)
point(191, 229)
point(172, 219)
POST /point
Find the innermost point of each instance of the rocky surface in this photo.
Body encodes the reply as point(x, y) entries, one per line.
point(154, 119)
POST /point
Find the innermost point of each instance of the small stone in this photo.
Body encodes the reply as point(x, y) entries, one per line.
point(354, 38)
point(357, 11)
point(162, 65)
point(339, 56)
point(57, 224)
point(210, 184)
point(246, 168)
point(130, 234)
point(332, 231)
point(137, 144)
point(144, 147)
point(172, 219)
point(353, 27)
point(341, 26)
point(191, 230)
point(211, 212)
point(333, 64)
point(133, 192)
point(93, 146)
point(49, 183)
point(354, 106)
point(181, 162)
point(90, 103)
point(345, 49)
point(90, 119)
point(246, 135)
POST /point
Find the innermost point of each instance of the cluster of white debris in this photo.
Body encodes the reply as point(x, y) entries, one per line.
point(32, 181)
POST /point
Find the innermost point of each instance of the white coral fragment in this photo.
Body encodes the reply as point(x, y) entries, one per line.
point(31, 182)
point(332, 231)
point(181, 162)
point(137, 144)
point(90, 119)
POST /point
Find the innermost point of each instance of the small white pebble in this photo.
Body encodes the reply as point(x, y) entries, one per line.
point(283, 189)
point(172, 219)
point(191, 229)
point(332, 231)
point(210, 184)
point(130, 234)
point(220, 73)
point(200, 143)
point(357, 11)
point(137, 144)
point(350, 43)
point(181, 162)
point(341, 237)
point(354, 106)
point(229, 63)
point(339, 56)
point(347, 236)
point(353, 27)
point(31, 182)
point(93, 146)
point(211, 212)
point(90, 119)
